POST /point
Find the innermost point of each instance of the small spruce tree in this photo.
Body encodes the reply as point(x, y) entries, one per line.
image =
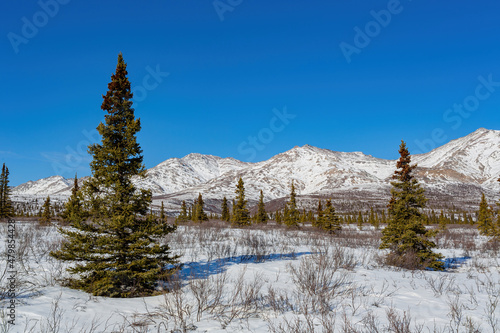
point(183, 216)
point(163, 216)
point(485, 218)
point(6, 207)
point(199, 211)
point(225, 216)
point(360, 221)
point(331, 222)
point(279, 217)
point(73, 209)
point(241, 216)
point(46, 215)
point(292, 214)
point(319, 213)
point(405, 235)
point(261, 216)
point(442, 221)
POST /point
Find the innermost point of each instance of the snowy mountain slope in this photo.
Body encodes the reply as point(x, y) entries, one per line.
point(312, 170)
point(170, 176)
point(45, 186)
point(474, 158)
point(458, 170)
point(176, 174)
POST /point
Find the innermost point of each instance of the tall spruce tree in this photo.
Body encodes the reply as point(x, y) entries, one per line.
point(6, 207)
point(116, 251)
point(405, 235)
point(73, 209)
point(225, 216)
point(241, 216)
point(485, 218)
point(292, 214)
point(261, 210)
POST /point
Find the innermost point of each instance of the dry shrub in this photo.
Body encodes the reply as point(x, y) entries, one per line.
point(320, 278)
point(408, 260)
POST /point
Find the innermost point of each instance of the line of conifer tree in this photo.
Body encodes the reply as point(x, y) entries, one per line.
point(6, 207)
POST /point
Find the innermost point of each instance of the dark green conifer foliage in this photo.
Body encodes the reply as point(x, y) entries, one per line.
point(442, 221)
point(73, 209)
point(46, 216)
point(183, 216)
point(2, 176)
point(292, 214)
point(278, 217)
point(225, 216)
point(303, 216)
point(6, 207)
point(116, 250)
point(373, 219)
point(485, 218)
point(199, 211)
point(405, 235)
point(241, 216)
point(193, 211)
point(383, 218)
point(360, 221)
point(320, 216)
point(163, 216)
point(331, 222)
point(261, 216)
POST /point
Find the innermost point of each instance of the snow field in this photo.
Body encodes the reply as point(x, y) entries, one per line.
point(267, 279)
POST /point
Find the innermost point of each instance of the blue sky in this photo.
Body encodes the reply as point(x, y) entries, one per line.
point(246, 79)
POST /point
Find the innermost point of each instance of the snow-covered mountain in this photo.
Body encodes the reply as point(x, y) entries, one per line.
point(454, 173)
point(46, 186)
point(177, 174)
point(474, 158)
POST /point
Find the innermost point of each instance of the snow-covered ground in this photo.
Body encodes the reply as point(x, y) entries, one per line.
point(267, 280)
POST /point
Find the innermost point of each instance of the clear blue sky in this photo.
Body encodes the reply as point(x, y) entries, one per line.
point(231, 63)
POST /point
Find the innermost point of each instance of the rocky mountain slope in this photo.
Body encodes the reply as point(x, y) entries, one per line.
point(453, 174)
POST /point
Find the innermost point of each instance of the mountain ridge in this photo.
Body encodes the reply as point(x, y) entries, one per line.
point(467, 165)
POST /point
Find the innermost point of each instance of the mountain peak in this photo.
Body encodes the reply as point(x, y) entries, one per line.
point(473, 160)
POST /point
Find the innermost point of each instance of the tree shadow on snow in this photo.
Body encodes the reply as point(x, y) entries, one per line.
point(454, 262)
point(204, 269)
